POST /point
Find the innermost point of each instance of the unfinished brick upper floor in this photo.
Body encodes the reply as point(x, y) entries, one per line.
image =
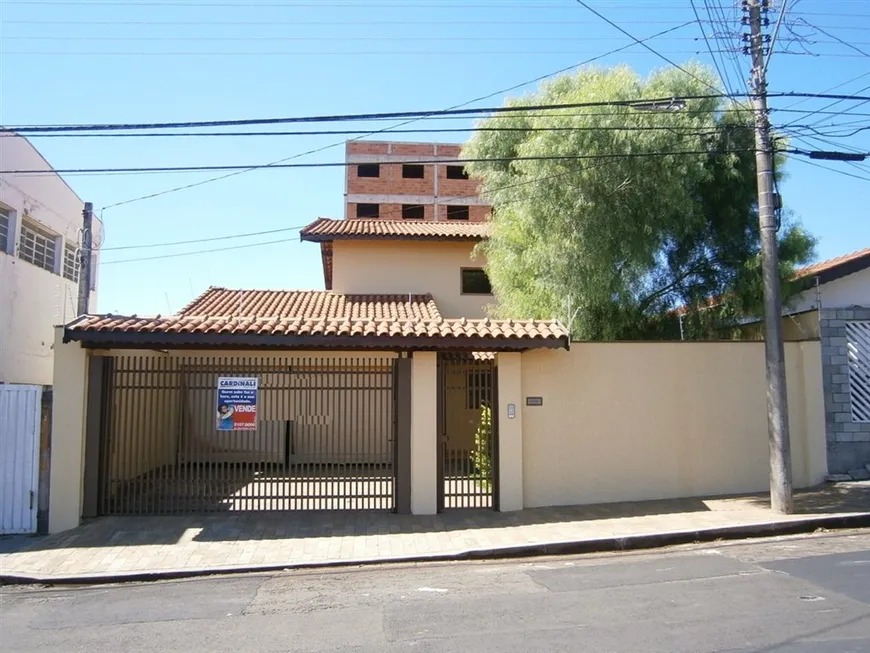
point(386, 175)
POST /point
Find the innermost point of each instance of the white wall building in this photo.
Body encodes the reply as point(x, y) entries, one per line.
point(40, 218)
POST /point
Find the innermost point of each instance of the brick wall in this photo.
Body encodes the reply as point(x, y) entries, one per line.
point(848, 442)
point(391, 182)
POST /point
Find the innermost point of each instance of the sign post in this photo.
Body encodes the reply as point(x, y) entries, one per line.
point(237, 403)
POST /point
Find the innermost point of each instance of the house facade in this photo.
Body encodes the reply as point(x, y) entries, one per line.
point(40, 219)
point(392, 389)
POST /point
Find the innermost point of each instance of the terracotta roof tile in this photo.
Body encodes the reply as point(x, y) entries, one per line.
point(362, 319)
point(296, 326)
point(224, 302)
point(824, 266)
point(326, 229)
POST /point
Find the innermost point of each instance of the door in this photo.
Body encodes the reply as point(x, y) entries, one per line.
point(20, 408)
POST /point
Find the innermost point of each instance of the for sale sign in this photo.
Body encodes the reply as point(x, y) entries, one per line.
point(237, 403)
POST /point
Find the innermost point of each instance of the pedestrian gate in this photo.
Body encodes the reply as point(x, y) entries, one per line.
point(20, 409)
point(323, 437)
point(468, 431)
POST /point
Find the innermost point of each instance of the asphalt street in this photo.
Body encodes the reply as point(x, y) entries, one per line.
point(797, 595)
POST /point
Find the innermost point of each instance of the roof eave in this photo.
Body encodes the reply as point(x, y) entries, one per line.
point(163, 340)
point(328, 238)
point(836, 271)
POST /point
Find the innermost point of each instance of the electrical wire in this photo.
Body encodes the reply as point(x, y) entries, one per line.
point(392, 115)
point(199, 240)
point(345, 164)
point(329, 146)
point(723, 77)
point(26, 129)
point(824, 167)
point(380, 217)
point(203, 251)
point(772, 45)
point(646, 46)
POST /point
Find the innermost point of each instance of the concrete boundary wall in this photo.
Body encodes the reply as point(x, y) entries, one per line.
point(640, 421)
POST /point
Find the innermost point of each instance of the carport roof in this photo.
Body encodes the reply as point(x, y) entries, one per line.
point(222, 318)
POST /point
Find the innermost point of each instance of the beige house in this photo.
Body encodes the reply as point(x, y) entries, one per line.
point(391, 390)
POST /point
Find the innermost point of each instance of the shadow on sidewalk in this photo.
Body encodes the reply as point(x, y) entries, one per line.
point(246, 527)
point(824, 499)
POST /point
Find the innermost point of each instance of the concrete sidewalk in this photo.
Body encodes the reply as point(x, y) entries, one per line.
point(139, 548)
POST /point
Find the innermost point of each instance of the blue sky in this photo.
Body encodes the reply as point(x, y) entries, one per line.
point(79, 61)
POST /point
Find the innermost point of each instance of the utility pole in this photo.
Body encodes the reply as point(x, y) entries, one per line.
point(781, 500)
point(85, 258)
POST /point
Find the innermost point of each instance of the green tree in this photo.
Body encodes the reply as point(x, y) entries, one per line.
point(629, 213)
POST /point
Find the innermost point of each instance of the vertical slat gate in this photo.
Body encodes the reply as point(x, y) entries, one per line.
point(323, 437)
point(20, 407)
point(467, 452)
point(858, 348)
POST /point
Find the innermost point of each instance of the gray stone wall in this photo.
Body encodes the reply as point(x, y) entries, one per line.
point(848, 441)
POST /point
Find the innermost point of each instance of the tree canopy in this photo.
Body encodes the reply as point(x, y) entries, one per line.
point(612, 217)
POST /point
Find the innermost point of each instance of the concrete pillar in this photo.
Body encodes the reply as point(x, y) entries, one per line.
point(510, 431)
point(424, 433)
point(67, 434)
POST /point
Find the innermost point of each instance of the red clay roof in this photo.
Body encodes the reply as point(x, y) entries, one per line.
point(289, 326)
point(284, 318)
point(831, 264)
point(309, 304)
point(327, 229)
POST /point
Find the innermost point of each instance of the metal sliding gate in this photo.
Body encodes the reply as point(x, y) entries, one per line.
point(468, 432)
point(322, 439)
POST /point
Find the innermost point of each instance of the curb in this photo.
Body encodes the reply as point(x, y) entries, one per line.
point(575, 547)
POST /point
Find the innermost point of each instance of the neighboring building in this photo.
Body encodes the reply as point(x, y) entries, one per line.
point(840, 282)
point(40, 218)
point(387, 181)
point(834, 307)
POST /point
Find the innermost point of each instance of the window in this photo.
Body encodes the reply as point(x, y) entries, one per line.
point(456, 172)
point(457, 213)
point(475, 282)
point(479, 384)
point(367, 210)
point(70, 263)
point(36, 246)
point(368, 170)
point(5, 226)
point(413, 171)
point(412, 211)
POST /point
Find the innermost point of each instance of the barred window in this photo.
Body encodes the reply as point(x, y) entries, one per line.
point(36, 246)
point(5, 225)
point(70, 263)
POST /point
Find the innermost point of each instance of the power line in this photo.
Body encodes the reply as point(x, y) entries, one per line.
point(534, 80)
point(716, 12)
point(838, 39)
point(824, 167)
point(24, 129)
point(237, 23)
point(199, 240)
point(224, 39)
point(772, 45)
point(690, 130)
point(261, 233)
point(723, 77)
point(344, 164)
point(651, 49)
point(203, 251)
